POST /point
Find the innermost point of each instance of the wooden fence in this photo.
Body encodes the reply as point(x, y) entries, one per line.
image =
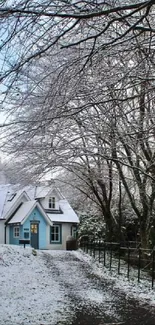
point(124, 259)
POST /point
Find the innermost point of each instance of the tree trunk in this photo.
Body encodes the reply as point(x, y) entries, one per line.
point(109, 228)
point(144, 237)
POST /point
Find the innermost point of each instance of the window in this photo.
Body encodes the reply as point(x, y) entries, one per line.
point(51, 203)
point(74, 231)
point(55, 234)
point(26, 235)
point(34, 228)
point(16, 232)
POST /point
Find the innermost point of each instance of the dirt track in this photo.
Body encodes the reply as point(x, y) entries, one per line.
point(91, 300)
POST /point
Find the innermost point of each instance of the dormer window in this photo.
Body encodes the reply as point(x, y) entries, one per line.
point(51, 203)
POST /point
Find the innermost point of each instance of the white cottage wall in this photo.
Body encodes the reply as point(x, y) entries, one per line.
point(66, 231)
point(2, 232)
point(45, 202)
point(7, 235)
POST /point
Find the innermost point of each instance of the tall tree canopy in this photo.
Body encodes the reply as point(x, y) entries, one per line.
point(77, 80)
point(32, 30)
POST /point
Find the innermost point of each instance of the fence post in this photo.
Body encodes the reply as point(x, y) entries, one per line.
point(139, 264)
point(99, 251)
point(119, 258)
point(128, 262)
point(110, 255)
point(94, 249)
point(90, 245)
point(153, 260)
point(104, 254)
point(87, 246)
point(84, 246)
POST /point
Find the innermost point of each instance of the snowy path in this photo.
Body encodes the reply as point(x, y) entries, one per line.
point(61, 288)
point(92, 300)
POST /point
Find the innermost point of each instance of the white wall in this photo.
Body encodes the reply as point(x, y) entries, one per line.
point(7, 235)
point(2, 232)
point(66, 231)
point(45, 201)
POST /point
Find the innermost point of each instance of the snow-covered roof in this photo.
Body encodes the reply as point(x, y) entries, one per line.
point(23, 212)
point(38, 192)
point(3, 193)
point(67, 215)
point(11, 197)
point(43, 191)
point(11, 201)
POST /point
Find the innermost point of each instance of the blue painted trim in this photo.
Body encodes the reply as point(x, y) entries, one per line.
point(60, 241)
point(16, 237)
point(35, 223)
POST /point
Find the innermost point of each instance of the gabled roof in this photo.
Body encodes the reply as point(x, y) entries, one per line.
point(25, 210)
point(13, 205)
point(10, 197)
point(67, 215)
point(39, 192)
point(3, 194)
point(44, 191)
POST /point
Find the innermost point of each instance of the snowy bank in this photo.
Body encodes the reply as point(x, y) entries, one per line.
point(141, 291)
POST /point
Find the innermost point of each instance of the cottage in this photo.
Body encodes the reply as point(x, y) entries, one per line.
point(39, 214)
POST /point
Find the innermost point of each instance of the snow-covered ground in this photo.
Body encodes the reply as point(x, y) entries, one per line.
point(27, 293)
point(142, 291)
point(59, 287)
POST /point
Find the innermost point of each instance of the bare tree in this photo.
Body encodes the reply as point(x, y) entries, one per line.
point(31, 31)
point(80, 95)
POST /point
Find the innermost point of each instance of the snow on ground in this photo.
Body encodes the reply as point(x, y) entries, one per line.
point(27, 293)
point(141, 291)
point(75, 276)
point(46, 289)
point(55, 286)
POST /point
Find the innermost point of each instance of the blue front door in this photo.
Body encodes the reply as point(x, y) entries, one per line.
point(35, 235)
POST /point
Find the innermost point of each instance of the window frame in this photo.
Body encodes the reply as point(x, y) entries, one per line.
point(51, 202)
point(26, 234)
point(16, 233)
point(34, 228)
point(74, 231)
point(59, 241)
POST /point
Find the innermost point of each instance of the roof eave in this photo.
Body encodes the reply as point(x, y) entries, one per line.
point(7, 215)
